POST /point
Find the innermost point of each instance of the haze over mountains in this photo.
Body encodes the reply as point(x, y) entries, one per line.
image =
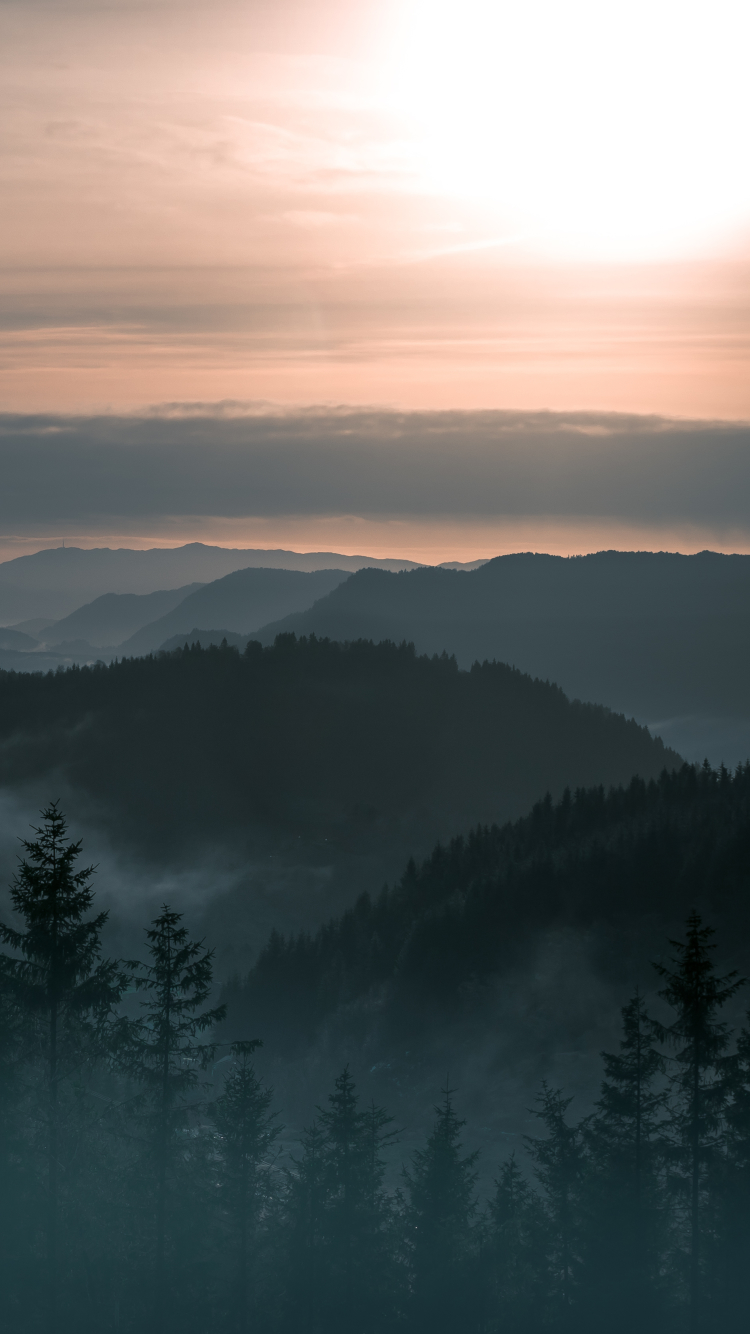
point(114, 616)
point(55, 582)
point(240, 602)
point(659, 636)
point(304, 760)
point(505, 955)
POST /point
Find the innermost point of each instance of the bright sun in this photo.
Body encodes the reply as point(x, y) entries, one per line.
point(603, 129)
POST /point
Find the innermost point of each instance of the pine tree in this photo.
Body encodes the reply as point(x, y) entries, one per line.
point(438, 1218)
point(515, 1255)
point(58, 979)
point(700, 1088)
point(247, 1132)
point(14, 1174)
point(344, 1129)
point(559, 1160)
point(307, 1195)
point(625, 1204)
point(340, 1219)
point(355, 1217)
point(381, 1292)
point(733, 1250)
point(167, 1059)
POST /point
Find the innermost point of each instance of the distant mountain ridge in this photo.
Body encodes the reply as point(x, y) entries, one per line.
point(652, 634)
point(57, 581)
point(240, 603)
point(113, 617)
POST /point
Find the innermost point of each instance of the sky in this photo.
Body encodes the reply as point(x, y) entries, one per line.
point(253, 210)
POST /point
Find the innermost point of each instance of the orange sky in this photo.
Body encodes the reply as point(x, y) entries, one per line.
point(336, 202)
point(460, 204)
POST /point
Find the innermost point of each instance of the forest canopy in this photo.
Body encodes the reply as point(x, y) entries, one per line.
point(149, 1184)
point(361, 746)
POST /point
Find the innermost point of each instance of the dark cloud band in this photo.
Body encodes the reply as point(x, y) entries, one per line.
point(223, 462)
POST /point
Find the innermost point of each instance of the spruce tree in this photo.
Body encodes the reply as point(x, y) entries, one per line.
point(515, 1255)
point(559, 1163)
point(341, 1219)
point(167, 1058)
point(356, 1215)
point(439, 1226)
point(305, 1255)
point(15, 1279)
point(66, 992)
point(381, 1292)
point(733, 1250)
point(343, 1126)
point(247, 1131)
point(625, 1205)
point(701, 1087)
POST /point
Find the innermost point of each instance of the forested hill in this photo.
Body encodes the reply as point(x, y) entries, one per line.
point(618, 871)
point(347, 747)
point(656, 634)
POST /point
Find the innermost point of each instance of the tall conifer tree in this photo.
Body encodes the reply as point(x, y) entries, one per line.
point(701, 1087)
point(517, 1280)
point(559, 1160)
point(167, 1059)
point(733, 1251)
point(305, 1259)
point(625, 1205)
point(355, 1219)
point(247, 1132)
point(341, 1218)
point(439, 1226)
point(63, 987)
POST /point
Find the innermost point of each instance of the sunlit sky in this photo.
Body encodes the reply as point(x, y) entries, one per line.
point(453, 203)
point(418, 204)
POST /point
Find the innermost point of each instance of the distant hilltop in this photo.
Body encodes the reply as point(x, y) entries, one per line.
point(57, 581)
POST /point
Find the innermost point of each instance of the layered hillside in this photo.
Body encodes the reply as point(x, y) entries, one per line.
point(240, 602)
point(347, 748)
point(663, 637)
point(458, 957)
point(53, 583)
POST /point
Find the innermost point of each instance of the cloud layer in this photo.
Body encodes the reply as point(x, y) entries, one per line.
point(236, 464)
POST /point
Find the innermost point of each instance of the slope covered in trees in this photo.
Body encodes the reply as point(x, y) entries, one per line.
point(427, 962)
point(655, 634)
point(150, 1186)
point(240, 602)
point(307, 744)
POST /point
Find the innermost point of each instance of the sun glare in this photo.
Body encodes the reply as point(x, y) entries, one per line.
point(606, 129)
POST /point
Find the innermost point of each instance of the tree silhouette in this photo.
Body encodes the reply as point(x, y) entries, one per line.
point(625, 1203)
point(307, 1181)
point(356, 1213)
point(559, 1161)
point(64, 988)
point(516, 1255)
point(246, 1135)
point(167, 1059)
point(701, 1085)
point(440, 1207)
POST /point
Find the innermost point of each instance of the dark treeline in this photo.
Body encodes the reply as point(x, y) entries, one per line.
point(619, 866)
point(268, 745)
point(140, 1194)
